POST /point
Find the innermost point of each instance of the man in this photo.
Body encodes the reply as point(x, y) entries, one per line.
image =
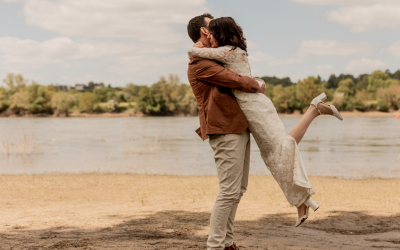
point(223, 122)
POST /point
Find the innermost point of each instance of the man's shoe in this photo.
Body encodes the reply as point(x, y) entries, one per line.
point(233, 247)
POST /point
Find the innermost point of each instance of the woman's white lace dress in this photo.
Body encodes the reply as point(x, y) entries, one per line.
point(278, 150)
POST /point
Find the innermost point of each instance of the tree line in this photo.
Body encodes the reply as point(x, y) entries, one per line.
point(166, 97)
point(169, 96)
point(368, 92)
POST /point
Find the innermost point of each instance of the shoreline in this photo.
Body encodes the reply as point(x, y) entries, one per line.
point(130, 113)
point(364, 178)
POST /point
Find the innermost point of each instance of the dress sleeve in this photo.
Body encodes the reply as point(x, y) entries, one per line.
point(221, 54)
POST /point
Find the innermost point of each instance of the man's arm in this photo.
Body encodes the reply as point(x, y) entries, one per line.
point(211, 72)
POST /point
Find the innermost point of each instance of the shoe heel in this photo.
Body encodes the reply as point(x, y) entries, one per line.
point(322, 96)
point(311, 203)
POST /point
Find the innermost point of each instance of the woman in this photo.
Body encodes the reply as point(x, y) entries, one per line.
point(278, 150)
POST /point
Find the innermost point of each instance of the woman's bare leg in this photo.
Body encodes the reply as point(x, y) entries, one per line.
point(301, 210)
point(301, 127)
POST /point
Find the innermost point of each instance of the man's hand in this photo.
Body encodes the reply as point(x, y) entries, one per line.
point(198, 45)
point(263, 87)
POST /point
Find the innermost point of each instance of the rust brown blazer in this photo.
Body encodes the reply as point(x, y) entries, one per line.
point(219, 111)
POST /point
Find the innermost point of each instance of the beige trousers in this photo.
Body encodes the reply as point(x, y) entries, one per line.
point(232, 159)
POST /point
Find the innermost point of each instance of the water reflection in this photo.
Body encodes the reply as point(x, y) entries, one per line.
point(356, 147)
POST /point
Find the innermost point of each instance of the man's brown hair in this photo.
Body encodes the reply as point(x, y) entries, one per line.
point(195, 24)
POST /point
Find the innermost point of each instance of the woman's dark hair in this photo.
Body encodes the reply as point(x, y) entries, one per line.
point(227, 32)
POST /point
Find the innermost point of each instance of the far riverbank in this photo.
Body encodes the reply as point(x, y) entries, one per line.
point(132, 113)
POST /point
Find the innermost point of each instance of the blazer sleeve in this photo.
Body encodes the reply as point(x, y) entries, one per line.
point(214, 73)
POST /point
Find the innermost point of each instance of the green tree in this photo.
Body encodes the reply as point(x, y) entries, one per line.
point(361, 100)
point(189, 103)
point(347, 87)
point(87, 102)
point(284, 99)
point(131, 92)
point(104, 94)
point(151, 101)
point(269, 90)
point(363, 82)
point(62, 102)
point(333, 81)
point(3, 99)
point(112, 105)
point(344, 95)
point(307, 90)
point(285, 82)
point(172, 91)
point(40, 98)
point(19, 102)
point(15, 82)
point(388, 98)
point(379, 79)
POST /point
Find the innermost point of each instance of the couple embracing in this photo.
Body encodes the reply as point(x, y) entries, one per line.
point(231, 106)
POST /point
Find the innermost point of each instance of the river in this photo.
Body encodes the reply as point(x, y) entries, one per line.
point(354, 148)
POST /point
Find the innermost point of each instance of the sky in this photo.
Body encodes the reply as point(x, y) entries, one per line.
point(138, 41)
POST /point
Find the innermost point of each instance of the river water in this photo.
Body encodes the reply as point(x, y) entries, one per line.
point(354, 148)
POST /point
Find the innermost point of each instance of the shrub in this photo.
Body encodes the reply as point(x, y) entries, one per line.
point(112, 105)
point(62, 103)
point(87, 102)
point(19, 102)
point(379, 79)
point(283, 99)
point(307, 90)
point(361, 100)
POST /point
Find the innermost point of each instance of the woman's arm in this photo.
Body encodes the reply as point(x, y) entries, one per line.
point(221, 54)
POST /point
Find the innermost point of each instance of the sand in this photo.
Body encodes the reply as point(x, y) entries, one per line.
point(94, 211)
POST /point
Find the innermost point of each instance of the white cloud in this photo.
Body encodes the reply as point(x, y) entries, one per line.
point(144, 20)
point(122, 59)
point(334, 48)
point(17, 52)
point(25, 53)
point(365, 65)
point(271, 60)
point(395, 49)
point(363, 15)
point(365, 18)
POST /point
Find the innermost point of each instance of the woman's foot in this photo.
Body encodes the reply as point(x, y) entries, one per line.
point(324, 108)
point(303, 214)
point(302, 211)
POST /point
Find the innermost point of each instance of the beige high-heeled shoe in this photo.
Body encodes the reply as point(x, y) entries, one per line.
point(309, 203)
point(320, 99)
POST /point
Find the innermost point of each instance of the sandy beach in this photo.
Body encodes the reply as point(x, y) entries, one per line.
point(95, 211)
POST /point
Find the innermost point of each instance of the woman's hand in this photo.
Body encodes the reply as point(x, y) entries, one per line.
point(263, 88)
point(198, 45)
